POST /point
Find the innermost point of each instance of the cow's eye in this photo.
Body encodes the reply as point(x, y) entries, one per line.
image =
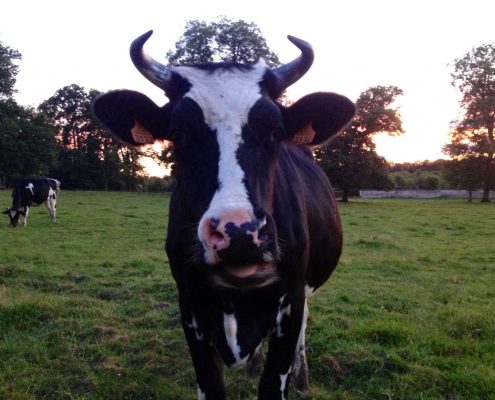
point(278, 134)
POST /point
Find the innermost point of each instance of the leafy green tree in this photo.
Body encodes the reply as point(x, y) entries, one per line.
point(27, 141)
point(195, 45)
point(472, 137)
point(8, 70)
point(465, 173)
point(350, 160)
point(428, 183)
point(224, 40)
point(89, 157)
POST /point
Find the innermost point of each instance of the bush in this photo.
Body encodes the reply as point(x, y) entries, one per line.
point(155, 184)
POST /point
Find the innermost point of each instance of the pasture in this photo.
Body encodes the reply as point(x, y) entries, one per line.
point(88, 305)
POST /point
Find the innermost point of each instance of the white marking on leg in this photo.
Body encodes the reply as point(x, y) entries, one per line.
point(282, 311)
point(302, 333)
point(283, 383)
point(51, 204)
point(230, 328)
point(201, 394)
point(308, 290)
point(194, 326)
point(26, 217)
point(300, 363)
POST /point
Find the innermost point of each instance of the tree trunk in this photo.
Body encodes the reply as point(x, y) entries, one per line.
point(345, 195)
point(470, 195)
point(486, 195)
point(486, 186)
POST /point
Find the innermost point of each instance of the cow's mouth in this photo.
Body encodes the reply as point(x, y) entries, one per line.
point(246, 276)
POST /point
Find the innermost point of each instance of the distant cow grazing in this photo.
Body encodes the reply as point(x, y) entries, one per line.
point(253, 227)
point(33, 191)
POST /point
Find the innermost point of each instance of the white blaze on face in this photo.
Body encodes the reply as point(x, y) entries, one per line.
point(226, 96)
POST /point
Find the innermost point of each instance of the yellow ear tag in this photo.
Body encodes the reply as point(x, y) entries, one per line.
point(140, 135)
point(305, 135)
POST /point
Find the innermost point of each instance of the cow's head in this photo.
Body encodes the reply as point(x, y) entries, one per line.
point(14, 215)
point(227, 132)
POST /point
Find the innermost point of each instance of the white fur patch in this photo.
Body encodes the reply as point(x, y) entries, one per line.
point(226, 96)
point(201, 394)
point(300, 356)
point(30, 187)
point(51, 204)
point(282, 311)
point(194, 326)
point(308, 290)
point(230, 328)
point(24, 222)
point(283, 383)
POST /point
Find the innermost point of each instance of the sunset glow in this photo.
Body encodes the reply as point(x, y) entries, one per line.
point(151, 167)
point(417, 57)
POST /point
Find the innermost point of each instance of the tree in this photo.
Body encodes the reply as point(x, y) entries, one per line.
point(8, 70)
point(350, 160)
point(89, 157)
point(27, 141)
point(465, 173)
point(224, 40)
point(195, 44)
point(472, 137)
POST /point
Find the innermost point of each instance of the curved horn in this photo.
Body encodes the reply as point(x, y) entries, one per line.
point(156, 73)
point(291, 72)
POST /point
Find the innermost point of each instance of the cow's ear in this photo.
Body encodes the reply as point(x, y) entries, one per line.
point(7, 210)
point(317, 117)
point(132, 117)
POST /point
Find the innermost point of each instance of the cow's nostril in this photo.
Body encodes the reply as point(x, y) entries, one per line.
point(215, 237)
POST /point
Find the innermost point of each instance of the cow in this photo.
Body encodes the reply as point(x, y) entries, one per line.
point(253, 224)
point(29, 192)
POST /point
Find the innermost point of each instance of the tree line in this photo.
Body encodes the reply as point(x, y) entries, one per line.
point(61, 137)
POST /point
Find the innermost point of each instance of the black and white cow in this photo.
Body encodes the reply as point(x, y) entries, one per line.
point(33, 191)
point(253, 227)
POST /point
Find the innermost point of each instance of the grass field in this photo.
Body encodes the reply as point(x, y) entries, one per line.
point(88, 306)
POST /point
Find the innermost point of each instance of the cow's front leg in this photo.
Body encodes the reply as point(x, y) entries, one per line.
point(274, 383)
point(25, 217)
point(300, 366)
point(206, 361)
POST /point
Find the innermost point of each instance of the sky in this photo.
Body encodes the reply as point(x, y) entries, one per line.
point(358, 44)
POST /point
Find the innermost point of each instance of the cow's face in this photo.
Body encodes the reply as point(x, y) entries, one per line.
point(14, 216)
point(227, 132)
point(226, 138)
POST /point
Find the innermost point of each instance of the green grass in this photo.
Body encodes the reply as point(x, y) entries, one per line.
point(88, 306)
